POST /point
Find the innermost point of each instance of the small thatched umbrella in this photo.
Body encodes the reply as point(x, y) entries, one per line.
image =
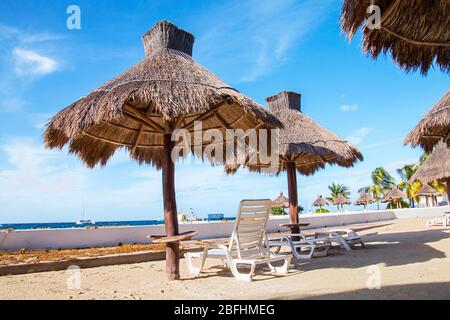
point(341, 200)
point(304, 147)
point(364, 200)
point(416, 32)
point(395, 195)
point(140, 109)
point(320, 202)
point(434, 126)
point(281, 201)
point(428, 191)
point(436, 167)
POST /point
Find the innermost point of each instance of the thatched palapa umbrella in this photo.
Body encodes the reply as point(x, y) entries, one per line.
point(281, 201)
point(364, 200)
point(140, 109)
point(395, 195)
point(428, 191)
point(415, 32)
point(434, 126)
point(320, 202)
point(341, 200)
point(304, 146)
point(435, 168)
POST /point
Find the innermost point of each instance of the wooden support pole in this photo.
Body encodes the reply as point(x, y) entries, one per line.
point(292, 190)
point(448, 191)
point(170, 210)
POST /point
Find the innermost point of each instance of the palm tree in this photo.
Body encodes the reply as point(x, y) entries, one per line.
point(382, 181)
point(405, 174)
point(336, 189)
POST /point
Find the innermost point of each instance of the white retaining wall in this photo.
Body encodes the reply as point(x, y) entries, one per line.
point(111, 236)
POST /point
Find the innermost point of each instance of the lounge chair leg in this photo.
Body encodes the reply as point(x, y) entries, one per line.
point(282, 269)
point(307, 256)
point(242, 276)
point(195, 271)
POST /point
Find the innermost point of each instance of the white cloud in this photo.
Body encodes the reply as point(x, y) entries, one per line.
point(12, 104)
point(382, 143)
point(358, 135)
point(270, 29)
point(348, 107)
point(28, 62)
point(11, 33)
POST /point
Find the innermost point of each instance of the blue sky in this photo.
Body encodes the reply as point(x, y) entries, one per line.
point(259, 47)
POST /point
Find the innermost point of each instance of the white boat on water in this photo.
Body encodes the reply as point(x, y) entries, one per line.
point(84, 221)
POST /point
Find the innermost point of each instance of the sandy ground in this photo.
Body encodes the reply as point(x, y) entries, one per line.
point(410, 260)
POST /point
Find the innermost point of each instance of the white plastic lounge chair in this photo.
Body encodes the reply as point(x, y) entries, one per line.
point(440, 222)
point(248, 244)
point(302, 247)
point(347, 238)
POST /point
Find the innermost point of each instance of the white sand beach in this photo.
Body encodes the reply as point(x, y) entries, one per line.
point(413, 263)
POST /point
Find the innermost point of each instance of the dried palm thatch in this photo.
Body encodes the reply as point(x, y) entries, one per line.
point(427, 191)
point(364, 199)
point(434, 126)
point(341, 200)
point(165, 91)
point(304, 146)
point(281, 201)
point(320, 202)
point(416, 32)
point(302, 141)
point(140, 109)
point(394, 194)
point(436, 167)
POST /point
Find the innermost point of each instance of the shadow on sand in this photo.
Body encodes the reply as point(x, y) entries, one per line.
point(422, 291)
point(391, 249)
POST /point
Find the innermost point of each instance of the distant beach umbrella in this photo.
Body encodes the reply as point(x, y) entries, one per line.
point(364, 200)
point(341, 200)
point(395, 195)
point(434, 126)
point(141, 108)
point(435, 168)
point(305, 147)
point(320, 202)
point(281, 201)
point(428, 191)
point(415, 32)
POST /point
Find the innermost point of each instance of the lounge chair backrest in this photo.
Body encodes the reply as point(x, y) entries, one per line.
point(249, 234)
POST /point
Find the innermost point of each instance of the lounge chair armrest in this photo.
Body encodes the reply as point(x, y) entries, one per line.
point(291, 235)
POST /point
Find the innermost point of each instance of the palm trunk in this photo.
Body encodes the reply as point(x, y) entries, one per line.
point(170, 210)
point(448, 191)
point(292, 190)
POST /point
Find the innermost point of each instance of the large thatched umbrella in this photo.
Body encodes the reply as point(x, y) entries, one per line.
point(341, 200)
point(395, 195)
point(304, 147)
point(428, 191)
point(415, 32)
point(140, 109)
point(434, 126)
point(320, 202)
point(281, 201)
point(436, 167)
point(364, 200)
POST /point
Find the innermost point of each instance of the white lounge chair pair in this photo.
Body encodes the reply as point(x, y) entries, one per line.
point(301, 246)
point(444, 221)
point(318, 243)
point(248, 244)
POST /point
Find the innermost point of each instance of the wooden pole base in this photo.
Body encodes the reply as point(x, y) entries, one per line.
point(173, 261)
